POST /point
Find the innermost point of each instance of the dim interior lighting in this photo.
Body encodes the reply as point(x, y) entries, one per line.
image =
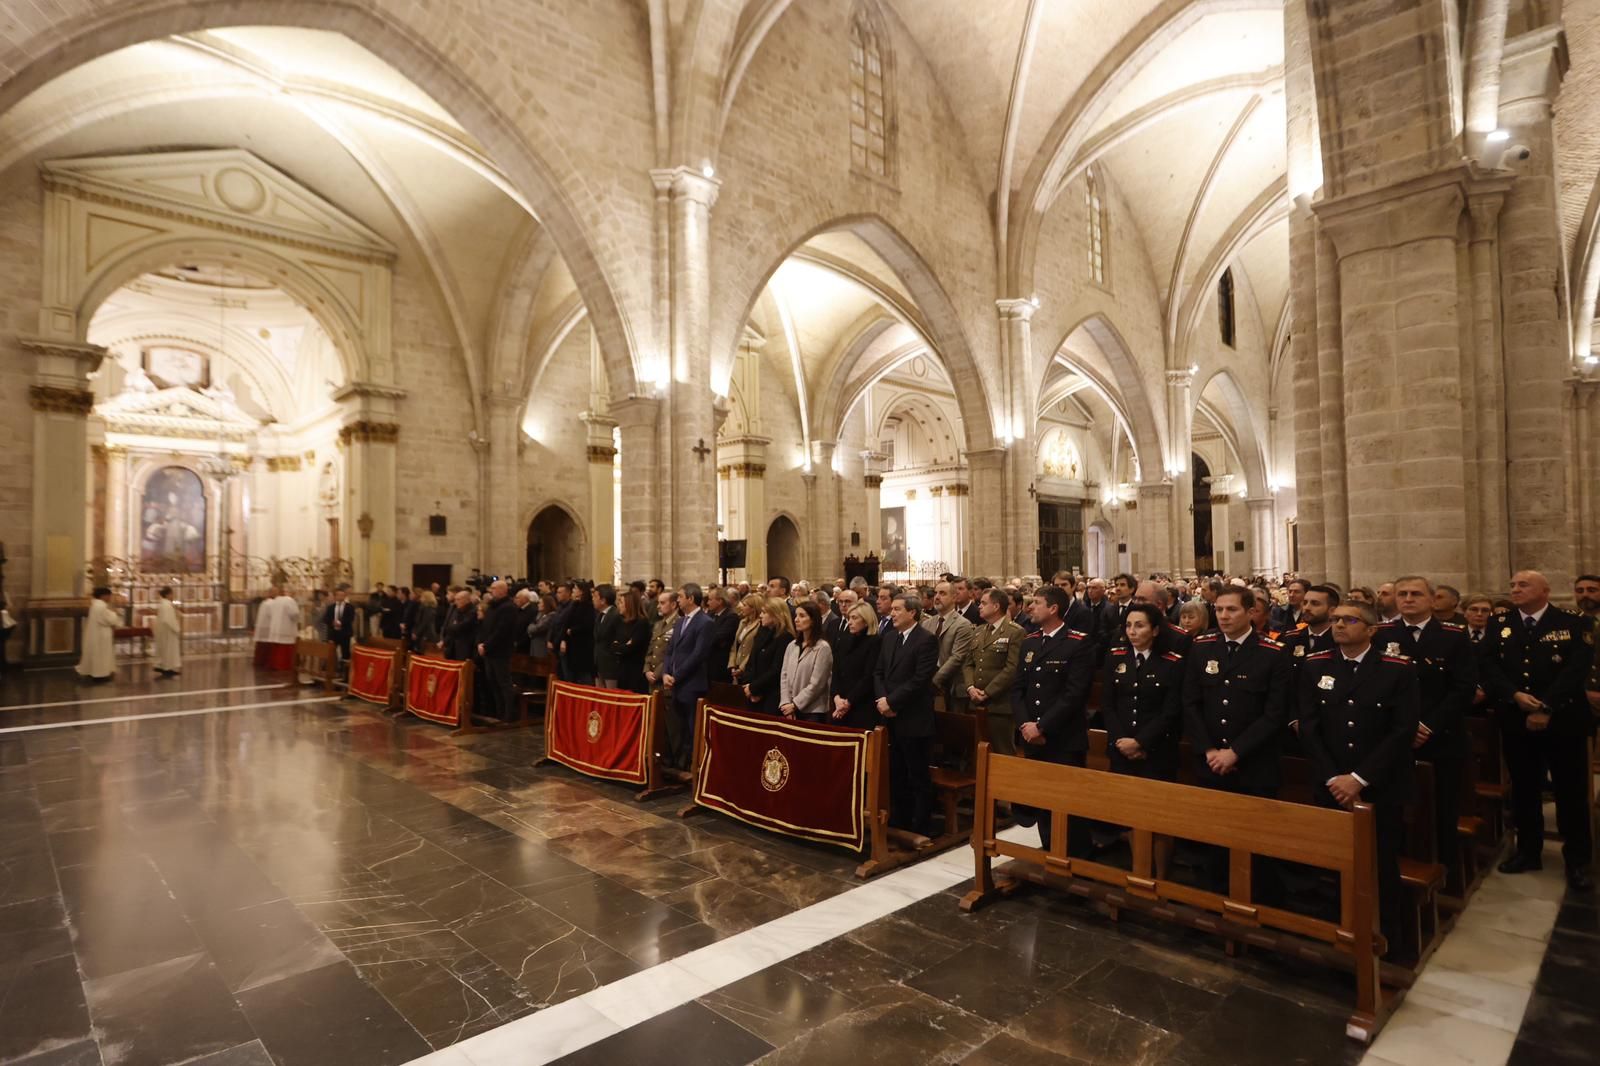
point(1496, 136)
point(1591, 359)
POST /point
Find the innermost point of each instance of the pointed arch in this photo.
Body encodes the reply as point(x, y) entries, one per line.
point(1248, 441)
point(1126, 383)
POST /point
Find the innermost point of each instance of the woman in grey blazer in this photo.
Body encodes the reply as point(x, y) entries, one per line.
point(807, 676)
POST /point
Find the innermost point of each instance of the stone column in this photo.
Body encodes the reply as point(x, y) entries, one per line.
point(1263, 535)
point(988, 551)
point(1155, 552)
point(1584, 396)
point(368, 436)
point(827, 555)
point(642, 521)
point(1330, 415)
point(505, 535)
point(1537, 340)
point(955, 503)
point(872, 481)
point(1483, 394)
point(117, 501)
point(61, 402)
point(1018, 529)
point(1221, 525)
point(602, 496)
point(689, 433)
point(742, 465)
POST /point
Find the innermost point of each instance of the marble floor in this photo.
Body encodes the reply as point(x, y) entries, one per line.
point(222, 870)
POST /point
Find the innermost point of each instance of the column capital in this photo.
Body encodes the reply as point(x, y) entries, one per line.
point(872, 481)
point(59, 400)
point(635, 411)
point(687, 183)
point(1180, 379)
point(1156, 491)
point(1259, 503)
point(1015, 309)
point(370, 432)
point(498, 400)
point(62, 364)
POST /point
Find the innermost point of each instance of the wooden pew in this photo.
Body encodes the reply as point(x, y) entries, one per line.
point(1343, 842)
point(531, 675)
point(1492, 783)
point(318, 660)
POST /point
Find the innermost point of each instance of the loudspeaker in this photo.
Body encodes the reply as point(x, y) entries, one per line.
point(730, 554)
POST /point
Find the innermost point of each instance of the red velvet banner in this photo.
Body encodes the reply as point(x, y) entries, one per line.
point(434, 690)
point(371, 674)
point(798, 778)
point(600, 731)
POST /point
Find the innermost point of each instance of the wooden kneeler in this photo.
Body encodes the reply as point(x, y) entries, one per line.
point(1344, 842)
point(318, 660)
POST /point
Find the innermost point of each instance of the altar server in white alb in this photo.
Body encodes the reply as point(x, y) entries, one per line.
point(169, 635)
point(99, 660)
point(277, 629)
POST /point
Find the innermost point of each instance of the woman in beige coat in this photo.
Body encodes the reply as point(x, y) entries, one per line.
point(807, 676)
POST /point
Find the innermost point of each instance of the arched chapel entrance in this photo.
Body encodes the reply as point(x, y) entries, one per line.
point(783, 548)
point(555, 545)
point(1204, 550)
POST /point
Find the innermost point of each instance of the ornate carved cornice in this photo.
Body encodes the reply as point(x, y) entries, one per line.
point(370, 432)
point(53, 399)
point(873, 481)
point(749, 471)
point(602, 453)
point(1221, 497)
point(283, 464)
point(957, 489)
point(935, 491)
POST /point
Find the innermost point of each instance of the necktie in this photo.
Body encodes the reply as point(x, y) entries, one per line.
point(1232, 646)
point(1528, 620)
point(1142, 656)
point(1416, 633)
point(1477, 635)
point(938, 630)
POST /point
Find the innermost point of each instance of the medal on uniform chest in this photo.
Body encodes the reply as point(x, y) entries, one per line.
point(1212, 667)
point(1393, 648)
point(1029, 659)
point(1122, 668)
point(1505, 633)
point(1326, 682)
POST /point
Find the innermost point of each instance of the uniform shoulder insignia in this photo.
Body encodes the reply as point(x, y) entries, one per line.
point(1453, 627)
point(1300, 627)
point(1077, 634)
point(1119, 651)
point(1268, 642)
point(1172, 657)
point(1403, 660)
point(1316, 656)
point(1205, 638)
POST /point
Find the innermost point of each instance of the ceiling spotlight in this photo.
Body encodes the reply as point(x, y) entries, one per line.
point(1496, 136)
point(1034, 300)
point(708, 171)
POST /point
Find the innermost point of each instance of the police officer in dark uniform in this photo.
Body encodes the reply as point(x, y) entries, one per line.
point(1141, 700)
point(1534, 661)
point(1447, 677)
point(1358, 718)
point(1050, 704)
point(1314, 631)
point(1236, 694)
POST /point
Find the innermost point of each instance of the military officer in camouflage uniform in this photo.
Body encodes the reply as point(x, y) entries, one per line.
point(660, 634)
point(991, 670)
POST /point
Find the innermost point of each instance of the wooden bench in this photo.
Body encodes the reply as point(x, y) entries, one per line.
point(318, 660)
point(531, 676)
point(1491, 781)
point(1343, 842)
point(955, 750)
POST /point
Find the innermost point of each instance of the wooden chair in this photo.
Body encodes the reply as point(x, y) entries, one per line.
point(531, 676)
point(955, 746)
point(1492, 784)
point(1420, 871)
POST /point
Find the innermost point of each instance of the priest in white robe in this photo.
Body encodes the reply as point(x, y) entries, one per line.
point(99, 660)
point(169, 635)
point(277, 629)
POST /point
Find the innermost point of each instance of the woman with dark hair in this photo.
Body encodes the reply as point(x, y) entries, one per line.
point(763, 672)
point(632, 642)
point(807, 671)
point(855, 656)
point(539, 629)
point(1142, 707)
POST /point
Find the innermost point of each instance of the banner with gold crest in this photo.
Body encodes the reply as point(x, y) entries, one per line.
point(799, 778)
point(601, 732)
point(372, 674)
point(439, 690)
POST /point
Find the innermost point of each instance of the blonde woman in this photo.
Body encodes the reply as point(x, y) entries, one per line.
point(855, 657)
point(763, 672)
point(744, 640)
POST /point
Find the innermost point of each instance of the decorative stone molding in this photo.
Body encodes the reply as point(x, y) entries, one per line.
point(935, 491)
point(1131, 505)
point(283, 464)
point(1013, 308)
point(52, 399)
point(911, 494)
point(602, 453)
point(687, 183)
point(873, 481)
point(957, 490)
point(1221, 497)
point(752, 471)
point(370, 432)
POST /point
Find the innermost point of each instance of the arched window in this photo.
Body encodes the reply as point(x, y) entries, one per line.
point(1225, 321)
point(871, 128)
point(1096, 212)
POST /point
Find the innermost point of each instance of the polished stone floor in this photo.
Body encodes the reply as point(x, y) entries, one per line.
point(238, 873)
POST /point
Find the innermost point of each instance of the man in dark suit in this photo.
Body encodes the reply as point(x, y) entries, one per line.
point(1287, 617)
point(1358, 718)
point(387, 610)
point(966, 600)
point(494, 647)
point(1535, 658)
point(1170, 638)
point(339, 621)
point(1447, 679)
point(886, 595)
point(607, 629)
point(1236, 700)
point(408, 614)
point(724, 630)
point(908, 657)
point(459, 635)
point(1050, 705)
point(685, 673)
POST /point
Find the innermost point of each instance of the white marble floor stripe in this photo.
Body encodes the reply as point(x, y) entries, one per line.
point(168, 714)
point(173, 694)
point(567, 1027)
point(1468, 1002)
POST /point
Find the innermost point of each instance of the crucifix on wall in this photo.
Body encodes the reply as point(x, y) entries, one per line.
point(700, 449)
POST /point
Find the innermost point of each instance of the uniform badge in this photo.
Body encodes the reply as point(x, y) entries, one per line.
point(1326, 683)
point(1393, 648)
point(1213, 667)
point(594, 726)
point(1029, 658)
point(1505, 634)
point(1556, 659)
point(1122, 668)
point(1299, 651)
point(774, 771)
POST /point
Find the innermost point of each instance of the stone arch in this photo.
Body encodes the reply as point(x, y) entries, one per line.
point(927, 414)
point(570, 554)
point(320, 299)
point(785, 555)
point(1126, 385)
point(551, 185)
point(1247, 442)
point(940, 325)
